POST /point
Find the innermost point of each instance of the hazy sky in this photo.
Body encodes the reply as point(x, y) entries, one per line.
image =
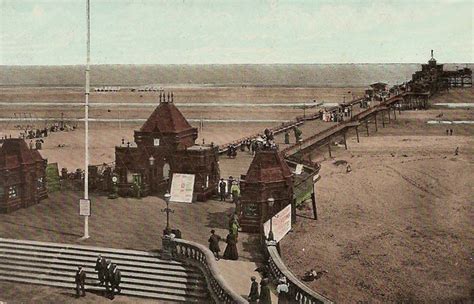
point(163, 32)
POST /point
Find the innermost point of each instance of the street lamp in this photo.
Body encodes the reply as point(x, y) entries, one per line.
point(151, 178)
point(271, 202)
point(167, 210)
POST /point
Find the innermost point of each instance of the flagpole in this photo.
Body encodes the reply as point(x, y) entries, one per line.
point(86, 120)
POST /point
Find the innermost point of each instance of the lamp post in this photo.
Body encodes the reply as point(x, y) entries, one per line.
point(151, 178)
point(271, 202)
point(167, 210)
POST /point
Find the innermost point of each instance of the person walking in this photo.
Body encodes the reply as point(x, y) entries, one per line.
point(222, 189)
point(287, 138)
point(214, 244)
point(265, 297)
point(100, 266)
point(108, 277)
point(230, 252)
point(80, 281)
point(116, 278)
point(283, 292)
point(253, 294)
point(235, 190)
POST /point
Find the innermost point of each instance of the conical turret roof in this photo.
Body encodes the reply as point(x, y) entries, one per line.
point(166, 119)
point(268, 166)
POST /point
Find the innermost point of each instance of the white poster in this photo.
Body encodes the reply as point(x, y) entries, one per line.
point(156, 142)
point(299, 169)
point(281, 224)
point(84, 207)
point(182, 187)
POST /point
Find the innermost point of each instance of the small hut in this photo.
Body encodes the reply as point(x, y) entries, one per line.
point(267, 177)
point(22, 175)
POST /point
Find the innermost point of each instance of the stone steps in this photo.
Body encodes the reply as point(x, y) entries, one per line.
point(144, 274)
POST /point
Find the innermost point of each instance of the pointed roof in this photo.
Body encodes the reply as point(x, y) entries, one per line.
point(15, 151)
point(268, 166)
point(166, 119)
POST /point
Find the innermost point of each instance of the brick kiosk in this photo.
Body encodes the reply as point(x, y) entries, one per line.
point(22, 175)
point(165, 144)
point(268, 176)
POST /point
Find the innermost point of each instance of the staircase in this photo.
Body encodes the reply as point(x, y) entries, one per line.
point(144, 274)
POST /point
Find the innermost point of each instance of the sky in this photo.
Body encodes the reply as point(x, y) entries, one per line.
point(53, 32)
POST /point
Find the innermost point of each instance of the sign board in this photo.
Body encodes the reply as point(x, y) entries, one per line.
point(156, 142)
point(281, 224)
point(182, 187)
point(85, 207)
point(299, 169)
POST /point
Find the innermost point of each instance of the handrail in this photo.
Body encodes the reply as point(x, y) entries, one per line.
point(298, 291)
point(201, 257)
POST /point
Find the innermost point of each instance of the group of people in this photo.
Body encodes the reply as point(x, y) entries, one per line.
point(229, 189)
point(449, 131)
point(230, 252)
point(332, 116)
point(264, 296)
point(108, 275)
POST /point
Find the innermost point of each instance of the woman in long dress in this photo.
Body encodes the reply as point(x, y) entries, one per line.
point(230, 252)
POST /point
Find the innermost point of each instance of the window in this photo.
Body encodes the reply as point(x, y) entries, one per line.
point(13, 192)
point(166, 171)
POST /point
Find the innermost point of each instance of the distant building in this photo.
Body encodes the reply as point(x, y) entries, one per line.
point(22, 175)
point(165, 144)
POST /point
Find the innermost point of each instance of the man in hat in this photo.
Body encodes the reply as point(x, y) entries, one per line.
point(115, 278)
point(214, 244)
point(108, 277)
point(253, 295)
point(100, 266)
point(80, 280)
point(222, 189)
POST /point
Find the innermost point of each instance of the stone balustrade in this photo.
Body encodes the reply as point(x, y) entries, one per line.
point(201, 257)
point(299, 292)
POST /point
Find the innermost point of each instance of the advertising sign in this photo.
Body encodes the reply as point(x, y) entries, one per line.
point(299, 169)
point(85, 207)
point(281, 224)
point(182, 187)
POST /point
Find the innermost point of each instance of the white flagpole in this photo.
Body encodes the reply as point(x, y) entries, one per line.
point(86, 121)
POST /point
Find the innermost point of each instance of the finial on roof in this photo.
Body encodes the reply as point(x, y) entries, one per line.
point(432, 56)
point(160, 96)
point(168, 96)
point(172, 98)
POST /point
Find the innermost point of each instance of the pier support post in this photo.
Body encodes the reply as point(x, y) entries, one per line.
point(394, 113)
point(399, 108)
point(383, 119)
point(351, 111)
point(313, 200)
point(345, 142)
point(357, 134)
point(376, 128)
point(388, 111)
point(367, 126)
point(329, 147)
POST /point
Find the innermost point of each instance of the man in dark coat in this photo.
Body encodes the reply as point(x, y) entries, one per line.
point(230, 252)
point(100, 266)
point(214, 244)
point(80, 280)
point(108, 277)
point(115, 278)
point(253, 295)
point(265, 297)
point(222, 189)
